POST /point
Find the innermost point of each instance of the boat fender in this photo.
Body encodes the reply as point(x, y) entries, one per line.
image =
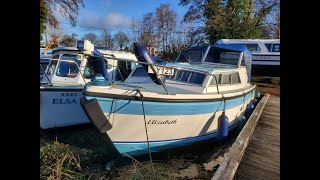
point(249, 110)
point(222, 131)
point(240, 123)
point(96, 116)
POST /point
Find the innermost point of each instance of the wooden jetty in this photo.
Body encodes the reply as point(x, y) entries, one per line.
point(255, 154)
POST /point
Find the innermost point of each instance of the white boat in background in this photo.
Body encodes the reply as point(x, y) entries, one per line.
point(265, 53)
point(68, 71)
point(183, 104)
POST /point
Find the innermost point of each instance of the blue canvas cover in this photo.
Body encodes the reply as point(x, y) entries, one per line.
point(143, 55)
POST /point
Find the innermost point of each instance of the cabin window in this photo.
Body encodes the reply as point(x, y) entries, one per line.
point(185, 75)
point(188, 77)
point(52, 67)
point(269, 46)
point(253, 47)
point(88, 71)
point(276, 48)
point(213, 56)
point(178, 75)
point(70, 68)
point(218, 77)
point(183, 57)
point(226, 79)
point(217, 56)
point(124, 68)
point(196, 78)
point(44, 64)
point(273, 47)
point(195, 56)
point(191, 55)
point(235, 78)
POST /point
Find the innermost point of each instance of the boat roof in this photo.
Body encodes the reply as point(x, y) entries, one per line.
point(118, 54)
point(224, 47)
point(232, 48)
point(65, 49)
point(44, 60)
point(248, 40)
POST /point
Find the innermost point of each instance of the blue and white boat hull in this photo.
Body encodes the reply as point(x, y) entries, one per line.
point(169, 124)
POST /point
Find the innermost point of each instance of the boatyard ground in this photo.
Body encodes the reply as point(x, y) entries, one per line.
point(80, 152)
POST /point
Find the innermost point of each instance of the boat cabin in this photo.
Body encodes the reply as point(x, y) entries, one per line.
point(202, 69)
point(78, 65)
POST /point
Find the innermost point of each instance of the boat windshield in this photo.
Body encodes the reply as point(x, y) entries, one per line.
point(222, 57)
point(43, 63)
point(67, 69)
point(193, 55)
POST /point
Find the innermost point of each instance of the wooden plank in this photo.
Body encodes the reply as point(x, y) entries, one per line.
point(232, 159)
point(270, 142)
point(266, 153)
point(269, 134)
point(254, 173)
point(272, 114)
point(261, 161)
point(262, 157)
point(269, 125)
point(265, 147)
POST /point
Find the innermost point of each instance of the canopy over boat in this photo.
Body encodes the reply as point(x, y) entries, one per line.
point(226, 54)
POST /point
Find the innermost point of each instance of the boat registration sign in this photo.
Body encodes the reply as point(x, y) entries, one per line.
point(161, 70)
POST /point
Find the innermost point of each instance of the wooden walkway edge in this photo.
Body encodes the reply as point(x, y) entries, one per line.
point(231, 161)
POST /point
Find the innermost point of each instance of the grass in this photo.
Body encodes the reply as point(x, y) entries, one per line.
point(73, 153)
point(81, 153)
point(61, 161)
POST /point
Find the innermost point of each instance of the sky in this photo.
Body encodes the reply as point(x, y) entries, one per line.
point(114, 15)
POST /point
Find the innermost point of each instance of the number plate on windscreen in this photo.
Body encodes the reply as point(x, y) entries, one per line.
point(161, 70)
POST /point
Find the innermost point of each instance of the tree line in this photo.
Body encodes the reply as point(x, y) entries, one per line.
point(206, 21)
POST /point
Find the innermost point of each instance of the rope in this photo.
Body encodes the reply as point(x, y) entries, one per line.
point(144, 117)
point(243, 99)
point(224, 100)
point(113, 101)
point(145, 125)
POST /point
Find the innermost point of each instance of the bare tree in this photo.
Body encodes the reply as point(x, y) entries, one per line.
point(165, 23)
point(134, 27)
point(122, 39)
point(54, 31)
point(68, 40)
point(67, 8)
point(147, 30)
point(93, 38)
point(106, 39)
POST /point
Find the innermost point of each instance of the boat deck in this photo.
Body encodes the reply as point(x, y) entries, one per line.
point(256, 152)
